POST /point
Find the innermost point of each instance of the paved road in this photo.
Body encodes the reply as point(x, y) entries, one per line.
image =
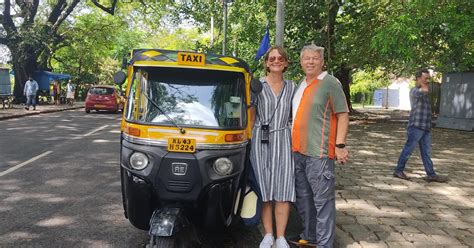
point(67, 192)
point(375, 209)
point(60, 184)
point(72, 195)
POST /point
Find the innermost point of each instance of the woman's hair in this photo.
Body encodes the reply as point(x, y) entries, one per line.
point(281, 51)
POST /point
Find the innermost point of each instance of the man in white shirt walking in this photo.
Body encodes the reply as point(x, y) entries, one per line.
point(30, 90)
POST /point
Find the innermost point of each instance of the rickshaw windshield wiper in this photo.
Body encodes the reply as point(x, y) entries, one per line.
point(181, 129)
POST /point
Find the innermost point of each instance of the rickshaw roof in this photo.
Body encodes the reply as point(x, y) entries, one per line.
point(172, 56)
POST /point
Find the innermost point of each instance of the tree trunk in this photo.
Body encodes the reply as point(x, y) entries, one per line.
point(22, 69)
point(344, 75)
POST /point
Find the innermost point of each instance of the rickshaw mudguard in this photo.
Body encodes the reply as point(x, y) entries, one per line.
point(219, 202)
point(137, 200)
point(166, 222)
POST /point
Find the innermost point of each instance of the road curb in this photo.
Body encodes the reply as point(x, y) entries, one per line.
point(19, 115)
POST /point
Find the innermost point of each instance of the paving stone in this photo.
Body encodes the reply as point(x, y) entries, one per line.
point(343, 220)
point(396, 204)
point(459, 224)
point(400, 244)
point(438, 206)
point(343, 239)
point(430, 210)
point(353, 228)
point(367, 220)
point(390, 209)
point(362, 235)
point(468, 240)
point(431, 230)
point(414, 223)
point(468, 219)
point(415, 203)
point(445, 240)
point(391, 221)
point(468, 212)
point(426, 216)
point(454, 232)
point(437, 224)
point(366, 244)
point(418, 237)
point(379, 228)
point(451, 211)
point(409, 229)
point(390, 236)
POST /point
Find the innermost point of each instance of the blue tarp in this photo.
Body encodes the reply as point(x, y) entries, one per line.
point(44, 78)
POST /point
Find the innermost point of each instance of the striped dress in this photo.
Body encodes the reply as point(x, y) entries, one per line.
point(272, 162)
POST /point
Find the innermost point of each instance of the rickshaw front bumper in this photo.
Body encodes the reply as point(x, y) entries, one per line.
point(185, 180)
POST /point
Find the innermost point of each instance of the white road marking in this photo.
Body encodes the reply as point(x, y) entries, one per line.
point(95, 130)
point(16, 167)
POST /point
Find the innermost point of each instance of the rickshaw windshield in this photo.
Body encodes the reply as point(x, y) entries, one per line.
point(188, 98)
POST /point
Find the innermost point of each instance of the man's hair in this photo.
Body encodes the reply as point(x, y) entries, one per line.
point(420, 72)
point(313, 48)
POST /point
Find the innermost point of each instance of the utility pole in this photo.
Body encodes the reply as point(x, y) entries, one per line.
point(280, 22)
point(212, 31)
point(224, 5)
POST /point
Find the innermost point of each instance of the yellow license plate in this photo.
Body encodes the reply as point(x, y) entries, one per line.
point(181, 145)
point(191, 59)
point(99, 106)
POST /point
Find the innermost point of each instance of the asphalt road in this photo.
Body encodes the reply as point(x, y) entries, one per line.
point(60, 185)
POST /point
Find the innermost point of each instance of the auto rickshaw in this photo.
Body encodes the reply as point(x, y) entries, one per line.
point(184, 142)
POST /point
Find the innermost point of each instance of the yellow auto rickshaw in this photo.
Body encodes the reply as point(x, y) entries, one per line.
point(184, 141)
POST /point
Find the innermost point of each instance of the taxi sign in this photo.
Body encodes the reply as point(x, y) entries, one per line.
point(198, 59)
point(181, 145)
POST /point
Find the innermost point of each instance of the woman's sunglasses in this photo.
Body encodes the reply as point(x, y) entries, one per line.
point(280, 59)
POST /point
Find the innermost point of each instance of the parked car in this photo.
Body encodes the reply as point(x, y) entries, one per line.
point(103, 97)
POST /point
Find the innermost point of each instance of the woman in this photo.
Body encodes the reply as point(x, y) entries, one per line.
point(56, 92)
point(271, 146)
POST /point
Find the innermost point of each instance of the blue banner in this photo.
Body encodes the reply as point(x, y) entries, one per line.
point(264, 45)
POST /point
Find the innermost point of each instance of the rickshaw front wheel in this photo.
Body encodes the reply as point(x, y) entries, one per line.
point(165, 242)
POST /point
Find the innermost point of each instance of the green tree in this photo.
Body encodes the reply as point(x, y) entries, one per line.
point(95, 44)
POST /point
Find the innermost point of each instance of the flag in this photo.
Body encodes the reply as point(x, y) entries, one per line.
point(264, 45)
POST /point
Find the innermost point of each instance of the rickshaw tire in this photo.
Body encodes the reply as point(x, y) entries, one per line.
point(88, 111)
point(161, 242)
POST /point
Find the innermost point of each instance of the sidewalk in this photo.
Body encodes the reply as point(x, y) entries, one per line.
point(374, 209)
point(19, 110)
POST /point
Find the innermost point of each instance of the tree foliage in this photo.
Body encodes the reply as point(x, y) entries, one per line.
point(393, 36)
point(96, 43)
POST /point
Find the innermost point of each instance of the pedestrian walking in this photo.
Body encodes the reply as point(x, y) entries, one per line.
point(56, 91)
point(419, 130)
point(320, 126)
point(30, 90)
point(271, 147)
point(70, 91)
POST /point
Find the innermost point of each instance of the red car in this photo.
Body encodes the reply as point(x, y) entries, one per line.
point(103, 97)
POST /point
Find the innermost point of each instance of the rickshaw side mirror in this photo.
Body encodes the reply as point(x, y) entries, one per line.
point(256, 86)
point(119, 77)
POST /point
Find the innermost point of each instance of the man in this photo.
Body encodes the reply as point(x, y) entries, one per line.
point(70, 93)
point(320, 125)
point(30, 90)
point(419, 129)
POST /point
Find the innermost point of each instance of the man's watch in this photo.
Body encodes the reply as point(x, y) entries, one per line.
point(341, 145)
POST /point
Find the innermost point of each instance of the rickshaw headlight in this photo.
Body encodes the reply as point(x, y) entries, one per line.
point(138, 161)
point(223, 166)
